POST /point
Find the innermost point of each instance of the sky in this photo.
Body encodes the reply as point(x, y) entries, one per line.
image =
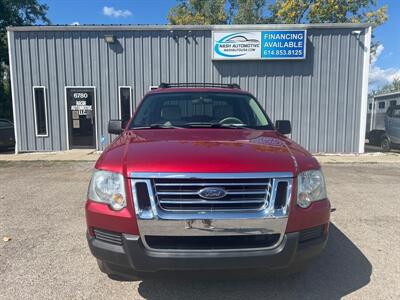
point(384, 68)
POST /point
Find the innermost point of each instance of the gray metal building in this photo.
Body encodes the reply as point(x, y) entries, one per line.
point(108, 69)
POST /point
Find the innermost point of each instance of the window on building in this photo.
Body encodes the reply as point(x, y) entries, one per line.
point(393, 103)
point(125, 103)
point(396, 113)
point(370, 106)
point(382, 104)
point(40, 109)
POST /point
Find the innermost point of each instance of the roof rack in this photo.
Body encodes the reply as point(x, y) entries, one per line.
point(164, 85)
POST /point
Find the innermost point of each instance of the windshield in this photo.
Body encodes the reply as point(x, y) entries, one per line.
point(194, 109)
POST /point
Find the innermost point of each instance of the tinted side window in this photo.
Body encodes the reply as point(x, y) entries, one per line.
point(125, 103)
point(40, 107)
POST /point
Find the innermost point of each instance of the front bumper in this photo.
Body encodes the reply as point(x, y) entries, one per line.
point(132, 257)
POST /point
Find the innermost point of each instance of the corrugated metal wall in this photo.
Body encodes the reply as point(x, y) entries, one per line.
point(320, 95)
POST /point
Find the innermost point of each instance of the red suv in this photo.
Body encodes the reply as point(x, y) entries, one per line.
point(201, 179)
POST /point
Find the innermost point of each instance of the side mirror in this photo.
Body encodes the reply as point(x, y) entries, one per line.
point(283, 126)
point(115, 127)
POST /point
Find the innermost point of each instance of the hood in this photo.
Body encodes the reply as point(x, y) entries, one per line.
point(202, 150)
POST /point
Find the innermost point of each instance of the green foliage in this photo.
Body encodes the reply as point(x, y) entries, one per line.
point(198, 12)
point(327, 11)
point(247, 11)
point(15, 13)
point(279, 11)
point(394, 86)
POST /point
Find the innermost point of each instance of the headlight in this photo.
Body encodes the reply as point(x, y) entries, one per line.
point(108, 187)
point(310, 187)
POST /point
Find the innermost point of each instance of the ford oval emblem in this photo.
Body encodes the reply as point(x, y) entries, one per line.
point(212, 193)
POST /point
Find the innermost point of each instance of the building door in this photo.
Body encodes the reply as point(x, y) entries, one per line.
point(81, 118)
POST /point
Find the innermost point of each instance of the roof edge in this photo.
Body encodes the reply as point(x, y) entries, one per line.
point(386, 94)
point(185, 27)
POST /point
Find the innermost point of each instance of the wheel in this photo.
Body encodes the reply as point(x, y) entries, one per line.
point(375, 137)
point(385, 144)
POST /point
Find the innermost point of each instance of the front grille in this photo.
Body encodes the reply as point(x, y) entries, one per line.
point(211, 242)
point(108, 236)
point(241, 194)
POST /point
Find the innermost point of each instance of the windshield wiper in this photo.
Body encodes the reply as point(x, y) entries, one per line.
point(218, 125)
point(157, 126)
point(214, 125)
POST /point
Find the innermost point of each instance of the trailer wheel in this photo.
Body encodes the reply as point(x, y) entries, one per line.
point(385, 144)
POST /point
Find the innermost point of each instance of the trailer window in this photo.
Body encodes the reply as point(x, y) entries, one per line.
point(396, 113)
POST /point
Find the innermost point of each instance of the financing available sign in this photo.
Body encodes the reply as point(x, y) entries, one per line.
point(258, 45)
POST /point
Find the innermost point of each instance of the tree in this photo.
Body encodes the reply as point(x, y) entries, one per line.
point(14, 13)
point(247, 11)
point(279, 11)
point(394, 86)
point(198, 12)
point(328, 11)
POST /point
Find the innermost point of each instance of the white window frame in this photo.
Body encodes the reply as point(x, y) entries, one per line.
point(119, 100)
point(45, 108)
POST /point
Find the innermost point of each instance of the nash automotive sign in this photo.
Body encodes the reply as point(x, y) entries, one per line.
point(268, 44)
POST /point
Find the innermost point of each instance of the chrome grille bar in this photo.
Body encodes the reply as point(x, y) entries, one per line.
point(186, 201)
point(180, 193)
point(212, 184)
point(245, 192)
point(177, 194)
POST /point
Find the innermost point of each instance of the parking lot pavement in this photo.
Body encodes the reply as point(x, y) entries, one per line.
point(41, 210)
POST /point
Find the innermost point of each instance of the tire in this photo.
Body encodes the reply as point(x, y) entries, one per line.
point(375, 137)
point(385, 144)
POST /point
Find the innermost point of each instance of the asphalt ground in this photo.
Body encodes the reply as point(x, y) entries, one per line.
point(42, 212)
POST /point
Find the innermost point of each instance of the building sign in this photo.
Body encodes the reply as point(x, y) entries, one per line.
point(81, 107)
point(256, 45)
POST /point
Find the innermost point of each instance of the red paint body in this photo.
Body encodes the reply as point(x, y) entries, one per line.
point(203, 150)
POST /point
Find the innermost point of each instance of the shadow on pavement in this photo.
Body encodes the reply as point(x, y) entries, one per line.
point(373, 148)
point(340, 270)
point(7, 151)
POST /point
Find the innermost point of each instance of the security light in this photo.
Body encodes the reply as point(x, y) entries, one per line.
point(109, 39)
